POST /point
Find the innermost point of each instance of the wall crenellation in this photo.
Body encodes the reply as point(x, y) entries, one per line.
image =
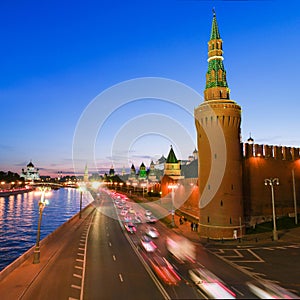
point(270, 151)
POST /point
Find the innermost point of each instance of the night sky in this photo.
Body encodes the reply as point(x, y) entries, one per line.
point(57, 57)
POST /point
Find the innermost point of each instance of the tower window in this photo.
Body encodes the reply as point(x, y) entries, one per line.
point(215, 155)
point(232, 186)
point(208, 186)
point(207, 219)
point(221, 203)
point(230, 220)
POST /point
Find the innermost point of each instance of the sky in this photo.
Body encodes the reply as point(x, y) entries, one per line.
point(108, 83)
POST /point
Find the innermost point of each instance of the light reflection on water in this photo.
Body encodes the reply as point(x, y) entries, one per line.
point(19, 219)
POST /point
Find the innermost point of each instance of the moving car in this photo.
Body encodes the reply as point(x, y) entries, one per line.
point(137, 219)
point(151, 219)
point(148, 213)
point(130, 227)
point(164, 270)
point(124, 212)
point(212, 286)
point(268, 290)
point(148, 244)
point(131, 210)
point(152, 232)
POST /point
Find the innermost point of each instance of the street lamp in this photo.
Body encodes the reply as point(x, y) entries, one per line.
point(143, 185)
point(272, 182)
point(43, 202)
point(134, 185)
point(82, 188)
point(173, 187)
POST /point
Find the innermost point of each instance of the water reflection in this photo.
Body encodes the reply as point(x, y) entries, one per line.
point(19, 219)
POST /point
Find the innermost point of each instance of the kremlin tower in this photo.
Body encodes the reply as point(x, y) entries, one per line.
point(218, 121)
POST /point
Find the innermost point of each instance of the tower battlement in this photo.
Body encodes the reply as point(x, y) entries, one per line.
point(270, 152)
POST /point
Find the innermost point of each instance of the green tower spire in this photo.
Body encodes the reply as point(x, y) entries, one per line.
point(214, 29)
point(216, 83)
point(172, 157)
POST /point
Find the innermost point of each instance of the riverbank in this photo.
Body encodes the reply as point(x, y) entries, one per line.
point(6, 193)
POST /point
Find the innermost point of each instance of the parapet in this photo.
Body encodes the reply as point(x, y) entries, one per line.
point(270, 151)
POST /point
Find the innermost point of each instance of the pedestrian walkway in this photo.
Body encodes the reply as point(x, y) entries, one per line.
point(185, 229)
point(16, 279)
point(284, 236)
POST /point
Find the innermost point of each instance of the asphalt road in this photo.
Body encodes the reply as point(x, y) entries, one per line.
point(98, 259)
point(113, 270)
point(114, 267)
point(277, 264)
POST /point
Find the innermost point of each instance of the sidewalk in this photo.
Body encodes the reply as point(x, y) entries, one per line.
point(17, 277)
point(266, 238)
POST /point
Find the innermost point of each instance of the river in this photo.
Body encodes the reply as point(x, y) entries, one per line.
point(19, 219)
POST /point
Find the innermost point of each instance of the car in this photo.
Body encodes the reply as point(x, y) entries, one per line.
point(151, 219)
point(119, 205)
point(137, 219)
point(123, 212)
point(148, 213)
point(152, 232)
point(131, 210)
point(208, 283)
point(130, 227)
point(148, 244)
point(164, 270)
point(268, 290)
point(127, 218)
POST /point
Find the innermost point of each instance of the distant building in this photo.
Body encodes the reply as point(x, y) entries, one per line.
point(86, 174)
point(31, 173)
point(160, 163)
point(142, 172)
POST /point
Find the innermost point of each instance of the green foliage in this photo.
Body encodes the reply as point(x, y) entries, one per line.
point(10, 176)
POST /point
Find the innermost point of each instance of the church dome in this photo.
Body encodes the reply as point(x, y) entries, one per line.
point(30, 165)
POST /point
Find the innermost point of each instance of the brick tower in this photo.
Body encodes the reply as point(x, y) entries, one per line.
point(218, 122)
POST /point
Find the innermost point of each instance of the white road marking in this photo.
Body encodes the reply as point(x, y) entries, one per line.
point(70, 298)
point(255, 255)
point(76, 275)
point(80, 254)
point(109, 244)
point(77, 267)
point(76, 287)
point(81, 260)
point(121, 278)
point(114, 258)
point(81, 249)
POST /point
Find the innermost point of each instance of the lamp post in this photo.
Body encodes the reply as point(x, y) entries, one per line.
point(134, 186)
point(43, 202)
point(143, 185)
point(172, 187)
point(295, 197)
point(80, 204)
point(272, 182)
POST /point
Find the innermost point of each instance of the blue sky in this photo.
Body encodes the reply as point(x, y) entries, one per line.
point(58, 56)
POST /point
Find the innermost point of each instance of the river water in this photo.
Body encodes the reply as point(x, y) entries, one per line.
point(19, 219)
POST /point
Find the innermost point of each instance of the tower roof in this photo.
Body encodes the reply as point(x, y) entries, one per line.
point(216, 82)
point(30, 165)
point(172, 157)
point(214, 28)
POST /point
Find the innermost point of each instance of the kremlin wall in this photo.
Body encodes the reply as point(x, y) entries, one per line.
point(267, 161)
point(230, 192)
